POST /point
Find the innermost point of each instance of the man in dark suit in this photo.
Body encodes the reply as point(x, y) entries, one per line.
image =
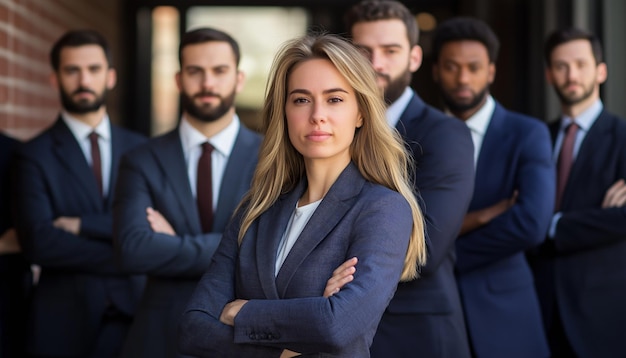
point(83, 303)
point(422, 309)
point(160, 224)
point(513, 196)
point(15, 276)
point(580, 270)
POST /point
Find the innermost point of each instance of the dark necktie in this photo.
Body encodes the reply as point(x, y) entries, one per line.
point(96, 164)
point(204, 188)
point(565, 162)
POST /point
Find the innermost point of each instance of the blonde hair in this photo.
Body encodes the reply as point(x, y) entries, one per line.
point(377, 150)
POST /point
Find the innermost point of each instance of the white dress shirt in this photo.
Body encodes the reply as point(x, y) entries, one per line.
point(223, 143)
point(478, 124)
point(81, 132)
point(584, 121)
point(395, 110)
point(299, 218)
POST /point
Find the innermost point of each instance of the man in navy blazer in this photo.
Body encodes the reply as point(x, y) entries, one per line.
point(83, 304)
point(580, 269)
point(15, 275)
point(512, 201)
point(157, 222)
point(442, 147)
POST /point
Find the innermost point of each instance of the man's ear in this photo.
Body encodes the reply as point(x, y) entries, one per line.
point(53, 80)
point(492, 72)
point(415, 58)
point(179, 84)
point(111, 78)
point(548, 75)
point(435, 70)
point(241, 80)
point(602, 73)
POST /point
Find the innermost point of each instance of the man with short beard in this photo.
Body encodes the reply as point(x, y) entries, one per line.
point(512, 201)
point(169, 214)
point(83, 304)
point(412, 325)
point(580, 271)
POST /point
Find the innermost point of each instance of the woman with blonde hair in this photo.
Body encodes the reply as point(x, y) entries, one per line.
point(331, 187)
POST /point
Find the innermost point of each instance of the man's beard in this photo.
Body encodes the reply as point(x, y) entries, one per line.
point(82, 106)
point(205, 112)
point(395, 87)
point(571, 100)
point(457, 107)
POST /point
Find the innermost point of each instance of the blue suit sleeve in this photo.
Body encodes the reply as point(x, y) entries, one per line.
point(311, 324)
point(201, 333)
point(525, 224)
point(140, 249)
point(445, 185)
point(41, 242)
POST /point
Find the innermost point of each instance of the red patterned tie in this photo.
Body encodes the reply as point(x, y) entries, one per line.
point(565, 161)
point(204, 188)
point(96, 165)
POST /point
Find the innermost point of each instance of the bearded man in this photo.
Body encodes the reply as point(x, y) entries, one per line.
point(579, 270)
point(513, 195)
point(83, 303)
point(176, 194)
point(387, 33)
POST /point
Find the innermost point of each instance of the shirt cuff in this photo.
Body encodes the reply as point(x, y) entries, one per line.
point(555, 221)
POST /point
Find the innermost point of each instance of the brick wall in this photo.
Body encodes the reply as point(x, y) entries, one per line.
point(28, 28)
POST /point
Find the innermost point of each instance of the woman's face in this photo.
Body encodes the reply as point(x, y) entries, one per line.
point(322, 112)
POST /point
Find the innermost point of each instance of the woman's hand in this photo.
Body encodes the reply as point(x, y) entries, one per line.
point(341, 276)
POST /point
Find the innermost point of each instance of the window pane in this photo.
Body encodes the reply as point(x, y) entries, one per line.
point(165, 38)
point(259, 31)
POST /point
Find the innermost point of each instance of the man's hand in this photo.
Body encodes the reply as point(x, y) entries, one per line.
point(158, 223)
point(9, 243)
point(477, 218)
point(289, 354)
point(615, 196)
point(69, 224)
point(230, 311)
point(341, 276)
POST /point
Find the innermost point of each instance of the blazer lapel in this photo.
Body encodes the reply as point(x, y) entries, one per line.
point(413, 112)
point(116, 153)
point(328, 214)
point(169, 154)
point(272, 226)
point(495, 137)
point(71, 156)
point(234, 177)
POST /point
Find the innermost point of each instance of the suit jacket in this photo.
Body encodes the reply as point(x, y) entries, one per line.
point(15, 277)
point(355, 218)
point(155, 175)
point(585, 273)
point(422, 308)
point(501, 306)
point(79, 276)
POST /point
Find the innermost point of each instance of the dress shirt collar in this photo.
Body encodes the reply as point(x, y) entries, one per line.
point(81, 130)
point(479, 121)
point(222, 142)
point(586, 119)
point(395, 110)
